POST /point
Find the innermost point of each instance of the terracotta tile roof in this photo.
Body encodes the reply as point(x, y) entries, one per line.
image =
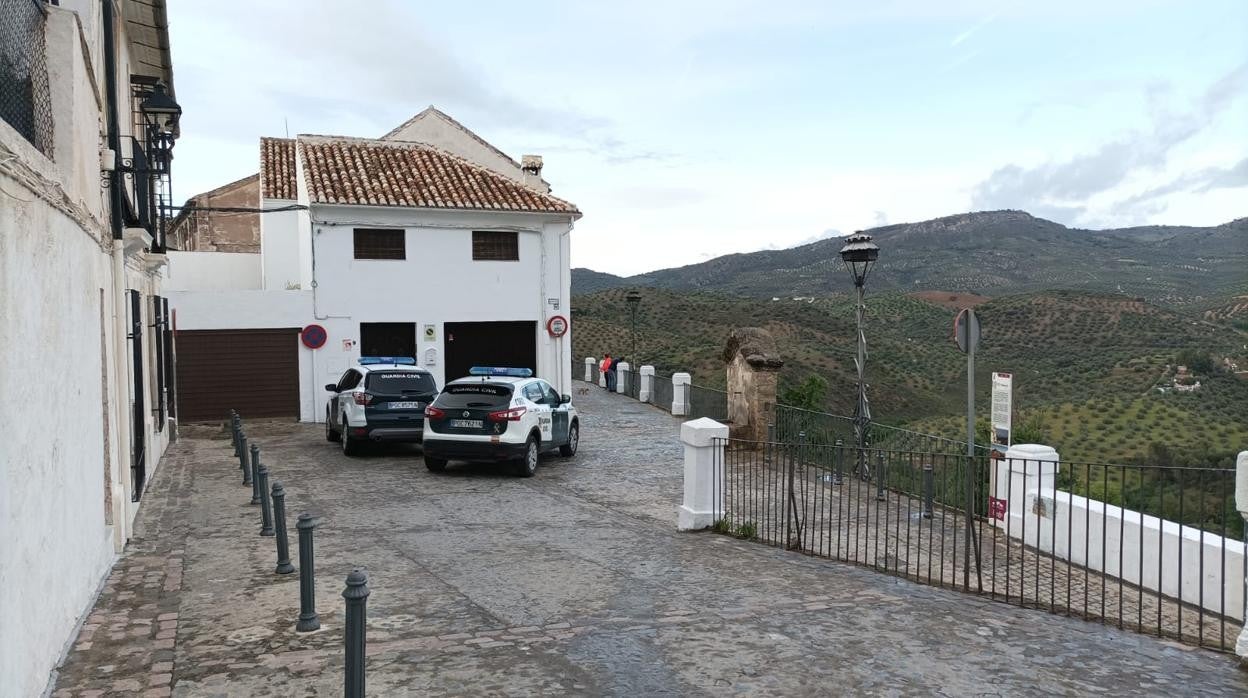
point(366, 172)
point(277, 169)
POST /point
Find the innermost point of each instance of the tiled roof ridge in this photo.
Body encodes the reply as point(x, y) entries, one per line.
point(277, 169)
point(431, 109)
point(487, 189)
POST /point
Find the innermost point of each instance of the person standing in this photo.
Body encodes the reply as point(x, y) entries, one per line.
point(609, 367)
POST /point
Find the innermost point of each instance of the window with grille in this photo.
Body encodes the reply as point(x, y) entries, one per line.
point(495, 246)
point(375, 243)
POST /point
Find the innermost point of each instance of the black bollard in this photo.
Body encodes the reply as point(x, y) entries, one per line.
point(254, 479)
point(266, 515)
point(308, 620)
point(927, 490)
point(881, 474)
point(249, 467)
point(356, 595)
point(242, 450)
point(279, 524)
point(837, 456)
point(234, 431)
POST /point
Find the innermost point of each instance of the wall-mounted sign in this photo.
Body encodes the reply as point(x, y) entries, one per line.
point(431, 357)
point(313, 336)
point(348, 344)
point(431, 333)
point(557, 326)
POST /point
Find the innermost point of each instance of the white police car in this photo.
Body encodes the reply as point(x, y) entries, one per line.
point(382, 399)
point(499, 414)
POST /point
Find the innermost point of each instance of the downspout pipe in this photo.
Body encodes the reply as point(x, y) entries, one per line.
point(121, 370)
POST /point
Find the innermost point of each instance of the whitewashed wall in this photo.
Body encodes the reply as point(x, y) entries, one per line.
point(212, 271)
point(1139, 548)
point(279, 247)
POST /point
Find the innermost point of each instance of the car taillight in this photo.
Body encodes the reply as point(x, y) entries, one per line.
point(363, 398)
point(511, 415)
point(434, 413)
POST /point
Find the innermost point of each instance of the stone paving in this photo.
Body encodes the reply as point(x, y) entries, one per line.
point(574, 582)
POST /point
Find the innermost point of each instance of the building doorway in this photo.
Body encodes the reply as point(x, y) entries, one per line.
point(468, 344)
point(388, 339)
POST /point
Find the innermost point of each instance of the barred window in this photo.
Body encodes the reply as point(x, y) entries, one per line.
point(376, 243)
point(495, 246)
point(25, 97)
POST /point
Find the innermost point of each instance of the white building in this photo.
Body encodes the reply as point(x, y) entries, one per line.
point(428, 243)
point(85, 412)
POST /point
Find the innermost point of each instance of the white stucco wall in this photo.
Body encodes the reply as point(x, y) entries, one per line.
point(435, 130)
point(212, 271)
point(279, 247)
point(65, 484)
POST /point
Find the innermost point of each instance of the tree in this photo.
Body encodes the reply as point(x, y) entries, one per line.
point(1196, 361)
point(807, 395)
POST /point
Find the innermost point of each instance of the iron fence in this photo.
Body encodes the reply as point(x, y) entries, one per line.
point(827, 428)
point(707, 402)
point(1158, 550)
point(633, 387)
point(661, 395)
point(25, 97)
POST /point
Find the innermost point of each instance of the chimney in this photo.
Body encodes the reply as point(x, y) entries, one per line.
point(531, 166)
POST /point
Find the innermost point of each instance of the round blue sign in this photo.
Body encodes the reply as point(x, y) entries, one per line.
point(313, 336)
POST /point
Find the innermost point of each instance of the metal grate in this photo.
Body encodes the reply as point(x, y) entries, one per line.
point(708, 402)
point(25, 99)
point(662, 395)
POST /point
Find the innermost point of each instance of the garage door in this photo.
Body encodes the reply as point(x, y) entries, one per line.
point(471, 344)
point(253, 371)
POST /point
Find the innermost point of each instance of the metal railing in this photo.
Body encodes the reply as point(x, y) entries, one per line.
point(1158, 550)
point(25, 97)
point(824, 427)
point(661, 396)
point(707, 402)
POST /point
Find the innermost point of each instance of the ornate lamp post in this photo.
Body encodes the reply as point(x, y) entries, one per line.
point(633, 298)
point(859, 253)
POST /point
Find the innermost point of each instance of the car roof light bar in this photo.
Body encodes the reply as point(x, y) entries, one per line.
point(500, 371)
point(392, 360)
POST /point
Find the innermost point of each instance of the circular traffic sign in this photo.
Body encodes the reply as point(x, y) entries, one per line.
point(557, 326)
point(313, 336)
point(966, 330)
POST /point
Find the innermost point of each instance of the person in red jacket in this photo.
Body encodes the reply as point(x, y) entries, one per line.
point(608, 367)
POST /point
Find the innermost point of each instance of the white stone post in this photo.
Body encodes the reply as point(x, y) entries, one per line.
point(589, 368)
point(680, 394)
point(646, 389)
point(1026, 480)
point(1241, 503)
point(602, 379)
point(704, 441)
point(622, 376)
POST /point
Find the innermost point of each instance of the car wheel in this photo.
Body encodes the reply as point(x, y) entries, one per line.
point(350, 446)
point(330, 434)
point(435, 465)
point(574, 438)
point(528, 464)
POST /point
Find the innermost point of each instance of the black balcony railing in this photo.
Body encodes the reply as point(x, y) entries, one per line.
point(25, 98)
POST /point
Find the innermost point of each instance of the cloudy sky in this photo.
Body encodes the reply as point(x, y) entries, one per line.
point(688, 129)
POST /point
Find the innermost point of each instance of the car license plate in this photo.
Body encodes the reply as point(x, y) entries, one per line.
point(405, 405)
point(466, 423)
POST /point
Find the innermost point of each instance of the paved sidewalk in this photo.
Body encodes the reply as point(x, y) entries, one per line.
point(572, 582)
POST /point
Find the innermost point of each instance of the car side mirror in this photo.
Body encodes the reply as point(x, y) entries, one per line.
point(331, 387)
point(565, 399)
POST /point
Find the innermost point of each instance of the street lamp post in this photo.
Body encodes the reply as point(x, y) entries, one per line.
point(633, 298)
point(859, 253)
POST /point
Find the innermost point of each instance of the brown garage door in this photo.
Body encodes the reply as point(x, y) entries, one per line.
point(253, 371)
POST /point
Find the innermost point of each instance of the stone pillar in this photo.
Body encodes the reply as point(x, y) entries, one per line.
point(646, 389)
point(753, 366)
point(622, 375)
point(680, 394)
point(704, 441)
point(590, 362)
point(602, 379)
point(1241, 503)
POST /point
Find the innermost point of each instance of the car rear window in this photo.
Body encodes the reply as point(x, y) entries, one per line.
point(491, 395)
point(396, 382)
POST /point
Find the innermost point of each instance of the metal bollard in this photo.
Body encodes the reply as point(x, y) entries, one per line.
point(837, 459)
point(308, 620)
point(928, 487)
point(266, 515)
point(254, 479)
point(356, 595)
point(234, 425)
point(279, 524)
point(249, 467)
point(242, 450)
point(881, 475)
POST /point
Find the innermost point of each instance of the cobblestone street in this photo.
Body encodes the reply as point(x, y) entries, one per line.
point(572, 582)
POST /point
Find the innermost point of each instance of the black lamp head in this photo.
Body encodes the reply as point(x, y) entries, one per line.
point(859, 253)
